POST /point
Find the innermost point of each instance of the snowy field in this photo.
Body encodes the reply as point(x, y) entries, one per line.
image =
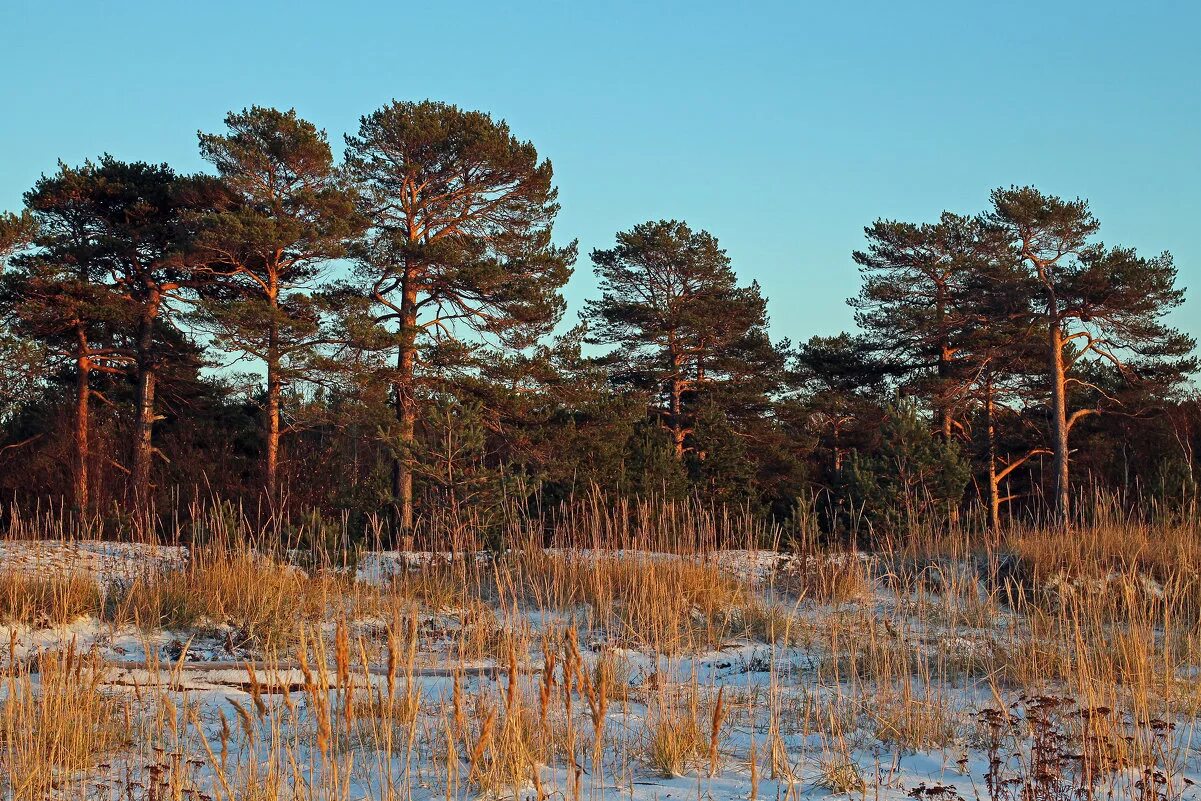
point(574, 674)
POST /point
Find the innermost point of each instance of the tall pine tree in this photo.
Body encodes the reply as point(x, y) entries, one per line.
point(139, 216)
point(1090, 302)
point(285, 216)
point(910, 304)
point(459, 246)
point(671, 303)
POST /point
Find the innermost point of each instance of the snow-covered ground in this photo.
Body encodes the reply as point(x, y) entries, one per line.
point(108, 562)
point(795, 718)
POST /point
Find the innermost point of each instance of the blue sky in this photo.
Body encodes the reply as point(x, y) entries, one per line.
point(782, 128)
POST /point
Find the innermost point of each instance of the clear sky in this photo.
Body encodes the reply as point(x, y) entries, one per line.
point(782, 128)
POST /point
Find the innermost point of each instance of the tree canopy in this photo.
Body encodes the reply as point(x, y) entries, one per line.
point(378, 336)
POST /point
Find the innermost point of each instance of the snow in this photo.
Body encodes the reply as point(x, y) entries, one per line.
point(769, 688)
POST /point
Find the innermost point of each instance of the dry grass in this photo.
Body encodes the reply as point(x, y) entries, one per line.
point(833, 578)
point(34, 600)
point(675, 742)
point(912, 721)
point(56, 723)
point(261, 598)
point(777, 623)
point(676, 738)
point(840, 775)
point(1159, 550)
point(852, 659)
point(1118, 564)
point(645, 599)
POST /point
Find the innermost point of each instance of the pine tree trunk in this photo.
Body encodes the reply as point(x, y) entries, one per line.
point(837, 447)
point(406, 404)
point(944, 405)
point(398, 462)
point(1059, 422)
point(143, 436)
point(408, 429)
point(953, 510)
point(677, 405)
point(274, 389)
point(83, 393)
point(944, 402)
point(677, 425)
point(944, 367)
point(990, 430)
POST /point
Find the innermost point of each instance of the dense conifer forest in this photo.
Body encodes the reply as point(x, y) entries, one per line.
point(381, 339)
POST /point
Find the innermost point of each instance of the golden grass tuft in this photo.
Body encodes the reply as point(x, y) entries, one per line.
point(36, 600)
point(55, 724)
point(826, 578)
point(675, 740)
point(265, 600)
point(649, 600)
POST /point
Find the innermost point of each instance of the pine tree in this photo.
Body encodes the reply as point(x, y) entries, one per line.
point(284, 217)
point(910, 305)
point(452, 465)
point(835, 384)
point(722, 471)
point(16, 231)
point(552, 418)
point(910, 479)
point(650, 468)
point(1091, 302)
point(61, 296)
point(1001, 358)
point(460, 244)
point(671, 303)
point(142, 213)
